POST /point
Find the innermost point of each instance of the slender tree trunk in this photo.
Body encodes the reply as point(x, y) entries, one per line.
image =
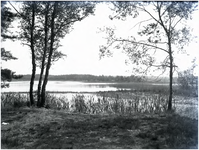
point(170, 76)
point(44, 57)
point(33, 56)
point(168, 34)
point(43, 94)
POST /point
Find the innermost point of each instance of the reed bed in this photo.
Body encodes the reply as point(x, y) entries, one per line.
point(14, 100)
point(98, 103)
point(106, 104)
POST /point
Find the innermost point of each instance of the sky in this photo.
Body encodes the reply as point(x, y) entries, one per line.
point(81, 46)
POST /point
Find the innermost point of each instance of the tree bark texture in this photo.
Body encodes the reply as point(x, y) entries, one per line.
point(33, 56)
point(43, 94)
point(44, 57)
point(170, 76)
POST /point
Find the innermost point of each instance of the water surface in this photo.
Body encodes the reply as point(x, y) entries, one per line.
point(63, 86)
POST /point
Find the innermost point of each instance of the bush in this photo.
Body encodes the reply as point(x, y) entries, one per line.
point(188, 83)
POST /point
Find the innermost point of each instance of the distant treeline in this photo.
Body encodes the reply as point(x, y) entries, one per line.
point(91, 78)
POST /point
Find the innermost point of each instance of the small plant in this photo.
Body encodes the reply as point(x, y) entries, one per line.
point(14, 100)
point(56, 102)
point(79, 104)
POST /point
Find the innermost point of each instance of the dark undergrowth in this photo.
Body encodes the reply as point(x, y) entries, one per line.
point(25, 128)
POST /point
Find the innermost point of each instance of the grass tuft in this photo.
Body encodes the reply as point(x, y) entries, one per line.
point(46, 129)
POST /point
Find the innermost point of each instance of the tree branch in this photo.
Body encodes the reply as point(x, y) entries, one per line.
point(161, 22)
point(125, 40)
point(164, 70)
point(63, 25)
point(26, 44)
point(16, 10)
point(150, 14)
point(177, 22)
point(140, 23)
point(165, 10)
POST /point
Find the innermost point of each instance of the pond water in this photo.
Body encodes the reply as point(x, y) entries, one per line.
point(63, 86)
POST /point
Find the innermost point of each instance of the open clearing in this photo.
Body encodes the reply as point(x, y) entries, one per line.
point(33, 128)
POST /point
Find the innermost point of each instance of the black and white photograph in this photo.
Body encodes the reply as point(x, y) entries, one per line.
point(99, 74)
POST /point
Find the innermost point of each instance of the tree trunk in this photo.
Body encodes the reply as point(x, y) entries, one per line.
point(39, 88)
point(44, 57)
point(43, 94)
point(170, 76)
point(33, 56)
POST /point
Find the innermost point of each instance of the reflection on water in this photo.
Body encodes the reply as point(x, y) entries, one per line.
point(62, 86)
